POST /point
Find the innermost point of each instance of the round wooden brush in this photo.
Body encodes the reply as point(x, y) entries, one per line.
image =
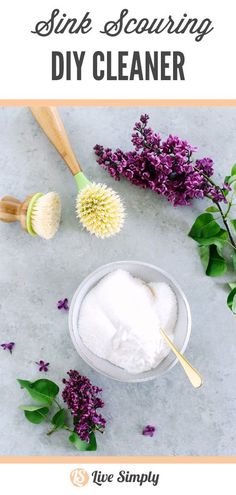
point(98, 207)
point(39, 214)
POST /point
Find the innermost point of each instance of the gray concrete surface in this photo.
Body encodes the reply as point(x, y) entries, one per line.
point(35, 274)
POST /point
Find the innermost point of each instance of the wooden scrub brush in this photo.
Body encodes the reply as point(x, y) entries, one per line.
point(98, 207)
point(39, 214)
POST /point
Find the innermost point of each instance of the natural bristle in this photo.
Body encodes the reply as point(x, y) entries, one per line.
point(100, 210)
point(46, 215)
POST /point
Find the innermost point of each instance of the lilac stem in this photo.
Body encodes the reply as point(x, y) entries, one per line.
point(210, 181)
point(223, 216)
point(226, 224)
point(57, 403)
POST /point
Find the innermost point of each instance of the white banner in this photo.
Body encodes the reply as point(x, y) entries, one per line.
point(65, 479)
point(122, 49)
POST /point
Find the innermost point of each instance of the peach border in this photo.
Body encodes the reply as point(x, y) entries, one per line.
point(117, 103)
point(118, 460)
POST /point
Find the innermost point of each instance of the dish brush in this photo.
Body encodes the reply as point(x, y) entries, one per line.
point(98, 207)
point(39, 214)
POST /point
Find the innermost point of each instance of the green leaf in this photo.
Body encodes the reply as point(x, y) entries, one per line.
point(212, 209)
point(219, 249)
point(81, 445)
point(46, 387)
point(233, 169)
point(204, 252)
point(233, 223)
point(218, 240)
point(58, 419)
point(77, 442)
point(212, 261)
point(232, 285)
point(204, 227)
point(234, 260)
point(231, 300)
point(217, 265)
point(41, 391)
point(232, 179)
point(31, 408)
point(24, 383)
point(38, 416)
point(93, 442)
point(37, 396)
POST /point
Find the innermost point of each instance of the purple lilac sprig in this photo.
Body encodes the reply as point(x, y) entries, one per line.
point(83, 400)
point(164, 166)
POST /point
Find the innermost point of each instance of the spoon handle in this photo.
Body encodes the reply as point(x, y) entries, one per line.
point(192, 374)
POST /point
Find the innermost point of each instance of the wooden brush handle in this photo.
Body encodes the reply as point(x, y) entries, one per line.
point(50, 122)
point(9, 209)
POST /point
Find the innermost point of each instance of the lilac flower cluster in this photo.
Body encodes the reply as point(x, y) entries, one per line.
point(82, 399)
point(165, 166)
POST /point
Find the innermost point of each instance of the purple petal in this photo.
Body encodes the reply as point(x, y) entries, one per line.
point(63, 304)
point(149, 431)
point(8, 346)
point(42, 365)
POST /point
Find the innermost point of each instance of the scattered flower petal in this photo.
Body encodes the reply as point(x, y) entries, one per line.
point(8, 346)
point(149, 431)
point(63, 304)
point(42, 365)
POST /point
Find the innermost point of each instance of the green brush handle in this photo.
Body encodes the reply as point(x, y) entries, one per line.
point(81, 181)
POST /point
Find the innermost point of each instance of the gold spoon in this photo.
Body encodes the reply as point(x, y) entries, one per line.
point(192, 374)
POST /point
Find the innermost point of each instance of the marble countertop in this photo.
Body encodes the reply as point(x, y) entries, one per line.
point(34, 274)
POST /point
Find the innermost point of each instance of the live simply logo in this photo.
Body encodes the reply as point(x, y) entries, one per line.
point(79, 477)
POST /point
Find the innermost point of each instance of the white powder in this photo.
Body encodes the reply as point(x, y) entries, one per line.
point(120, 320)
